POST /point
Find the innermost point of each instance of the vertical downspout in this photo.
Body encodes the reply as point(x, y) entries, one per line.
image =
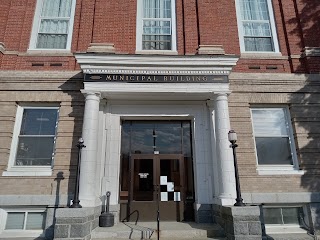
point(198, 24)
point(184, 29)
point(94, 14)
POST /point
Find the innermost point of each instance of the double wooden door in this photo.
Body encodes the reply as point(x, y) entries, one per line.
point(157, 180)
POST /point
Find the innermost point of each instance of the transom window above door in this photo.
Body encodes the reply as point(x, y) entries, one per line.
point(156, 29)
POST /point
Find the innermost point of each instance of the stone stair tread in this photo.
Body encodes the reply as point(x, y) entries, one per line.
point(168, 230)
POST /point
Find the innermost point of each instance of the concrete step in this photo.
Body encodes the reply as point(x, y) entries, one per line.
point(168, 230)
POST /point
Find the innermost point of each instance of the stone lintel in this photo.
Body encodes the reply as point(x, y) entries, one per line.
point(211, 50)
point(101, 48)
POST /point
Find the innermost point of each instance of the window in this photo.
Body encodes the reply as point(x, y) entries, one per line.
point(34, 140)
point(287, 219)
point(156, 25)
point(256, 26)
point(53, 24)
point(25, 221)
point(273, 137)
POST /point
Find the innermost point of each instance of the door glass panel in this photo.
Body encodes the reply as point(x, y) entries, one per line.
point(168, 140)
point(171, 169)
point(143, 180)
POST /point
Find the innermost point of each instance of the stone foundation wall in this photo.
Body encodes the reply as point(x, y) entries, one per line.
point(76, 223)
point(239, 223)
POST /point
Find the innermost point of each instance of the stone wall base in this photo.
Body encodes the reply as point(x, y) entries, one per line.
point(76, 223)
point(239, 223)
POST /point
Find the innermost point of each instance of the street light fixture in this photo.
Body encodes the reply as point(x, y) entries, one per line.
point(76, 201)
point(232, 137)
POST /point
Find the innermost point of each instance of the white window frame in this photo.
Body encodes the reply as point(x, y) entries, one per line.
point(286, 228)
point(139, 31)
point(278, 169)
point(14, 170)
point(10, 233)
point(36, 27)
point(274, 35)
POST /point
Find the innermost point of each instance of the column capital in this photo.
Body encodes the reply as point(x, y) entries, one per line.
point(221, 96)
point(91, 94)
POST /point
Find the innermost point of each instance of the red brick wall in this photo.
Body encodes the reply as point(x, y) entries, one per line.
point(106, 21)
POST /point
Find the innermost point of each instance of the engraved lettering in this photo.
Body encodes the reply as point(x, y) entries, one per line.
point(108, 77)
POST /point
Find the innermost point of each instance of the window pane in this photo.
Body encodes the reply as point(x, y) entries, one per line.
point(35, 151)
point(257, 29)
point(141, 138)
point(157, 8)
point(35, 221)
point(269, 122)
point(291, 215)
point(254, 10)
point(56, 8)
point(52, 41)
point(15, 220)
point(39, 122)
point(258, 44)
point(169, 137)
point(272, 150)
point(156, 42)
point(272, 215)
point(157, 27)
point(54, 26)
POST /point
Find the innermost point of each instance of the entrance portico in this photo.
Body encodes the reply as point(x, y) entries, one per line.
point(201, 102)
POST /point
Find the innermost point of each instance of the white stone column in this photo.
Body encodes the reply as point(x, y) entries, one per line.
point(87, 187)
point(227, 188)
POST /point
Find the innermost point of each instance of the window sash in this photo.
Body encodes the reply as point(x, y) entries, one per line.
point(259, 36)
point(54, 24)
point(32, 149)
point(272, 138)
point(156, 25)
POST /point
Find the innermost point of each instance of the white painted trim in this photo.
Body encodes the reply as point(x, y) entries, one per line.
point(36, 26)
point(272, 25)
point(13, 170)
point(155, 65)
point(139, 31)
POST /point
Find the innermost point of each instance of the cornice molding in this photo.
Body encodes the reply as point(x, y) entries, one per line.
point(151, 64)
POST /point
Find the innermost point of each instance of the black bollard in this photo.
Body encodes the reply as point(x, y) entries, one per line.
point(106, 219)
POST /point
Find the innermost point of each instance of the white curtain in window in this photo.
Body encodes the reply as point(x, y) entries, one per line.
point(54, 23)
point(256, 25)
point(156, 25)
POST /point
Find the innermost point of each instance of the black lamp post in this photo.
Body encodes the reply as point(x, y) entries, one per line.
point(76, 201)
point(232, 136)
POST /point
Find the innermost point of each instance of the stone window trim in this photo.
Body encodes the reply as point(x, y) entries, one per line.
point(139, 31)
point(274, 35)
point(278, 169)
point(32, 171)
point(36, 28)
point(8, 233)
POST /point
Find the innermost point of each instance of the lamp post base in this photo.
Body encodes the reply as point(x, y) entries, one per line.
point(76, 204)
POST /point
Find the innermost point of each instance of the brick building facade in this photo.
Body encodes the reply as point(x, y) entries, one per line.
point(149, 82)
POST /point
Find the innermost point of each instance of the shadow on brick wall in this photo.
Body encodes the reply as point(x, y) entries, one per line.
point(305, 102)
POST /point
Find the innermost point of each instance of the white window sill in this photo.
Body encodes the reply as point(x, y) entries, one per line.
point(262, 55)
point(21, 233)
point(157, 52)
point(279, 170)
point(28, 171)
point(270, 228)
point(50, 52)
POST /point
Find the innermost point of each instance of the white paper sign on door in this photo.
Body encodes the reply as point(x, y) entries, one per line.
point(164, 197)
point(170, 187)
point(163, 180)
point(176, 197)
